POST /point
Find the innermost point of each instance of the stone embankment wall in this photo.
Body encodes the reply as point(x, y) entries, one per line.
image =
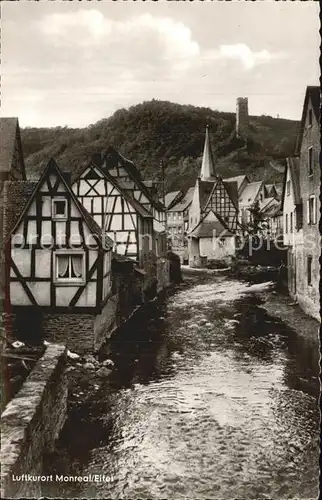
point(31, 423)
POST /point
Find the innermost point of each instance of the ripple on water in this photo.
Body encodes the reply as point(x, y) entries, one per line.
point(223, 423)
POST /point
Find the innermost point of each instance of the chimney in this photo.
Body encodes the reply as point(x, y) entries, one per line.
point(97, 159)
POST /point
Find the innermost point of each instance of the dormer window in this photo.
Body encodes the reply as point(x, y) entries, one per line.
point(59, 209)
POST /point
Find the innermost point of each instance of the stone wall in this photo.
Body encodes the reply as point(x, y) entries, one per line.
point(106, 322)
point(76, 331)
point(31, 423)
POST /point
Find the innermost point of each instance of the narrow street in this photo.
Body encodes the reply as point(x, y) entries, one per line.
point(211, 397)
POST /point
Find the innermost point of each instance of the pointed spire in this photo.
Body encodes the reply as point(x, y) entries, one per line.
point(207, 167)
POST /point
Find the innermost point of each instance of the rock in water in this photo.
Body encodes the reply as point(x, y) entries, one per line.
point(91, 359)
point(89, 366)
point(72, 355)
point(108, 362)
point(103, 372)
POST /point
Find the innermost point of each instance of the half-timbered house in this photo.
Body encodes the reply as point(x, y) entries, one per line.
point(127, 208)
point(122, 217)
point(211, 194)
point(59, 263)
point(130, 179)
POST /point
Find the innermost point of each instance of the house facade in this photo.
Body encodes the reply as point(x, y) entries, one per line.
point(252, 193)
point(301, 208)
point(126, 211)
point(58, 264)
point(211, 240)
point(178, 225)
point(217, 198)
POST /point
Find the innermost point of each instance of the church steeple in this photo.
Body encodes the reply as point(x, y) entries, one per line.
point(207, 167)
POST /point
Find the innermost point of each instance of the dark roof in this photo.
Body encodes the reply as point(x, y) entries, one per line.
point(267, 203)
point(232, 189)
point(9, 133)
point(16, 197)
point(138, 207)
point(250, 192)
point(205, 229)
point(171, 197)
point(237, 178)
point(184, 202)
point(91, 224)
point(272, 211)
point(205, 190)
point(293, 164)
point(314, 94)
point(111, 155)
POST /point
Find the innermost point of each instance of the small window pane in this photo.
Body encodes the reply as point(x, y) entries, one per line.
point(60, 207)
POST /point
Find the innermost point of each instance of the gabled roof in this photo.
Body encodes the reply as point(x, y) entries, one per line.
point(267, 202)
point(9, 133)
point(206, 229)
point(205, 190)
point(112, 154)
point(272, 210)
point(239, 179)
point(184, 202)
point(208, 163)
point(90, 222)
point(121, 188)
point(232, 189)
point(250, 192)
point(313, 94)
point(293, 165)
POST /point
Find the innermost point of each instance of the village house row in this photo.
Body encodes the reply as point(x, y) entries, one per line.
point(82, 251)
point(204, 221)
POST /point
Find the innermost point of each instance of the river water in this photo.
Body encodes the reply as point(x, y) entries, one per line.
point(210, 398)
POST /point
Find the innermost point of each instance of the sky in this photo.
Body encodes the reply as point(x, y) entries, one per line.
point(73, 63)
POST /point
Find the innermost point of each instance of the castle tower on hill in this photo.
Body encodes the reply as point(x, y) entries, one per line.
point(242, 117)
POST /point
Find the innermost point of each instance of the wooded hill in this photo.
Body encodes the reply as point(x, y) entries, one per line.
point(161, 130)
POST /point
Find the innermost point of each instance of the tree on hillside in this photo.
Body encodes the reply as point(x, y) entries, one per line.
point(161, 130)
point(255, 225)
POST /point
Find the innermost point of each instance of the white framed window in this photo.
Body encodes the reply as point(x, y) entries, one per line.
point(286, 223)
point(291, 222)
point(69, 267)
point(310, 161)
point(311, 210)
point(59, 208)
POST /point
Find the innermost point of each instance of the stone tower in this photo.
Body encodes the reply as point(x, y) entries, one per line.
point(242, 117)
